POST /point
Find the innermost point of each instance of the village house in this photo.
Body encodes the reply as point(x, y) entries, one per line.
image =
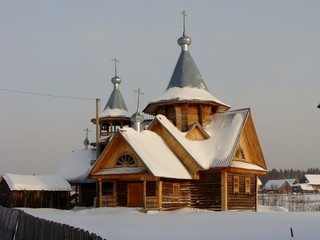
point(311, 179)
point(195, 153)
point(34, 191)
point(280, 186)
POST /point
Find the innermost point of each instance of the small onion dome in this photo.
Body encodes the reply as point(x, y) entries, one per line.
point(86, 143)
point(184, 42)
point(137, 117)
point(116, 80)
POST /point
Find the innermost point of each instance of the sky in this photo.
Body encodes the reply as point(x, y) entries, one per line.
point(262, 55)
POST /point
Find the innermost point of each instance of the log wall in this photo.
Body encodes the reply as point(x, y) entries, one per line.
point(206, 192)
point(169, 202)
point(241, 200)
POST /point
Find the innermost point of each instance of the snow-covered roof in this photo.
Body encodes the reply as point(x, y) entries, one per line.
point(114, 112)
point(313, 178)
point(245, 165)
point(216, 151)
point(77, 166)
point(156, 155)
point(37, 182)
point(305, 187)
point(115, 107)
point(188, 93)
point(274, 184)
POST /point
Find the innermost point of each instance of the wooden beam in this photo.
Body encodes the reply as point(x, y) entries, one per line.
point(159, 194)
point(115, 193)
point(100, 192)
point(257, 189)
point(224, 190)
point(144, 194)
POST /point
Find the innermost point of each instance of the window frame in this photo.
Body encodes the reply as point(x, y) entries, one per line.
point(176, 191)
point(236, 184)
point(247, 185)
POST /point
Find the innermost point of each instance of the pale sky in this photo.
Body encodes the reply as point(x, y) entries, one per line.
point(264, 55)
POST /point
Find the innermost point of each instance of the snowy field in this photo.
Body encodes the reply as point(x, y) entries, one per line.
point(128, 223)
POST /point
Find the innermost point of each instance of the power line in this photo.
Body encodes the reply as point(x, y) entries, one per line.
point(46, 95)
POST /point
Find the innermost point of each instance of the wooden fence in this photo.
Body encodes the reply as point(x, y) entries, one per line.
point(18, 225)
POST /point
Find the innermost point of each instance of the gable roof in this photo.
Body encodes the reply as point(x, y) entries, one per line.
point(157, 157)
point(76, 167)
point(36, 182)
point(274, 184)
point(224, 131)
point(149, 147)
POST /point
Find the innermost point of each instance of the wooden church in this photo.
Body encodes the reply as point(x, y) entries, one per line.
point(195, 153)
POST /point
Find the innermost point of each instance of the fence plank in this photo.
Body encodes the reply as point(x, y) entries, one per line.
point(18, 225)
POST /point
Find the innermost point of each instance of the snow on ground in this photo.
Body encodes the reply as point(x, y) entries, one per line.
point(128, 223)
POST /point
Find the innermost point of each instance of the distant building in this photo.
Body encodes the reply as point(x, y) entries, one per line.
point(32, 191)
point(311, 179)
point(280, 186)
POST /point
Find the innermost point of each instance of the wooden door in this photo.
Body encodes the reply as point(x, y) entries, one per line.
point(135, 194)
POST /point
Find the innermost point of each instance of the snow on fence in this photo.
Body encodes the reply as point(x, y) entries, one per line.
point(18, 225)
point(294, 202)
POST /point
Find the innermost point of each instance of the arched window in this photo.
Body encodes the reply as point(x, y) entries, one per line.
point(126, 161)
point(239, 155)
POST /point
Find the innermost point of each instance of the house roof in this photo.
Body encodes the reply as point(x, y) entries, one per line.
point(313, 178)
point(305, 187)
point(37, 182)
point(155, 154)
point(274, 184)
point(224, 131)
point(76, 167)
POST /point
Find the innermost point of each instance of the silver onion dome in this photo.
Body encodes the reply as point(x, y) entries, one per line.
point(116, 80)
point(184, 42)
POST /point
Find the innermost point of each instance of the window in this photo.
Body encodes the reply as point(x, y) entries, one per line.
point(236, 184)
point(239, 155)
point(176, 191)
point(126, 161)
point(247, 185)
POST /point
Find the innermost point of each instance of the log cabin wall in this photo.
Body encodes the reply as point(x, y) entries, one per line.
point(241, 200)
point(169, 200)
point(184, 115)
point(206, 192)
point(41, 199)
point(193, 115)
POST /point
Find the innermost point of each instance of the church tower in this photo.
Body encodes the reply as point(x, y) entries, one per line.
point(187, 99)
point(115, 114)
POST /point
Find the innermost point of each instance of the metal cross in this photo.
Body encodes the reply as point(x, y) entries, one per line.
point(87, 131)
point(115, 60)
point(138, 102)
point(184, 21)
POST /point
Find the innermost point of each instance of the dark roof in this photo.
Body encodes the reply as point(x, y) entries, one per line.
point(116, 101)
point(186, 73)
